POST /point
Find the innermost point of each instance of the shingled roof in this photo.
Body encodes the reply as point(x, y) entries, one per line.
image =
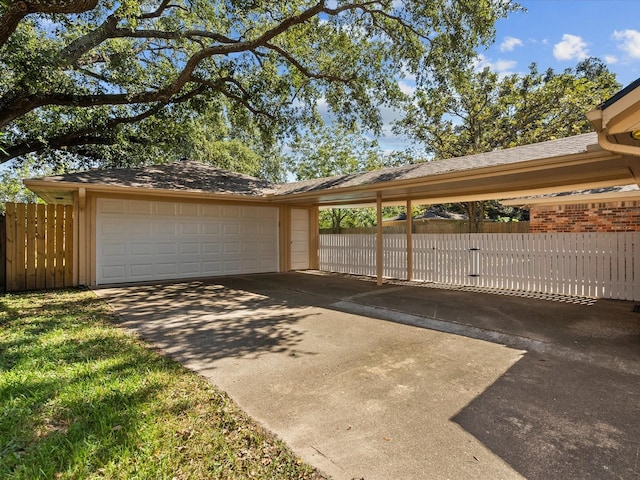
point(185, 175)
point(553, 148)
point(572, 162)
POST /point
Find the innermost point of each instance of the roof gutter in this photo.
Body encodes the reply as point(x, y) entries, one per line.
point(617, 147)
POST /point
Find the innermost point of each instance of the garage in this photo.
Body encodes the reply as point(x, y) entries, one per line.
point(143, 240)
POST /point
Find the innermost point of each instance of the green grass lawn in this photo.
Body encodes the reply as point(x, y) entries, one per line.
point(81, 398)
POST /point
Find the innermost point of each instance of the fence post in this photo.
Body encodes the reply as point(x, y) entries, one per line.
point(21, 250)
point(3, 253)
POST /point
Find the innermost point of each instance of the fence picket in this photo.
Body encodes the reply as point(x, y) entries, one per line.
point(21, 273)
point(41, 253)
point(635, 279)
point(591, 264)
point(68, 246)
point(31, 247)
point(59, 227)
point(11, 266)
point(51, 243)
point(39, 246)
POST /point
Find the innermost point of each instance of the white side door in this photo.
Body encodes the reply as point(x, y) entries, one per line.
point(299, 239)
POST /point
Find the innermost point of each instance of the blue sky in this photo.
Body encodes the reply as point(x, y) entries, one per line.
point(558, 34)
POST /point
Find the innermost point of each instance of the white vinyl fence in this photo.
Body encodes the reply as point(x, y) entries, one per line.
point(604, 265)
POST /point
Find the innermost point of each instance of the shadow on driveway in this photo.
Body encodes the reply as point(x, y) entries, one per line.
point(197, 320)
point(491, 386)
point(551, 418)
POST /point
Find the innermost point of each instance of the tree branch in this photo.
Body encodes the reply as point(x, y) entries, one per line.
point(12, 16)
point(304, 70)
point(218, 86)
point(87, 136)
point(186, 34)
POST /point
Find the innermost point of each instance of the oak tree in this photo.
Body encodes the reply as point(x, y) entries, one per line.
point(130, 81)
point(473, 112)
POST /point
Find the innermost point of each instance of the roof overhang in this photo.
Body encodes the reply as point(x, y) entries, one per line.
point(64, 192)
point(577, 198)
point(592, 169)
point(615, 121)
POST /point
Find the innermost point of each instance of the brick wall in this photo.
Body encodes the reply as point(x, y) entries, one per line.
point(591, 217)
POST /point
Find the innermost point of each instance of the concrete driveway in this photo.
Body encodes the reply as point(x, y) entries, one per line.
point(492, 386)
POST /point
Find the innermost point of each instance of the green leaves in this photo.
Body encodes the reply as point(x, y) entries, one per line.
point(334, 150)
point(95, 82)
point(473, 112)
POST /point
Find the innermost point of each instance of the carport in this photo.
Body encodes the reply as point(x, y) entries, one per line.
point(188, 220)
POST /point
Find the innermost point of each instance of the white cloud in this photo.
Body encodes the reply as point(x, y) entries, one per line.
point(571, 47)
point(611, 59)
point(504, 66)
point(499, 66)
point(509, 43)
point(406, 87)
point(630, 42)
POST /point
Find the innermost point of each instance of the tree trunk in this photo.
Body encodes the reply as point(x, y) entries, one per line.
point(475, 212)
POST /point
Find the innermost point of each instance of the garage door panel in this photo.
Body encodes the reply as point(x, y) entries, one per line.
point(212, 267)
point(142, 270)
point(140, 249)
point(211, 229)
point(267, 230)
point(250, 265)
point(174, 240)
point(230, 211)
point(113, 206)
point(231, 247)
point(166, 269)
point(165, 208)
point(115, 249)
point(231, 266)
point(213, 248)
point(267, 265)
point(165, 248)
point(252, 248)
point(113, 228)
point(188, 209)
point(250, 229)
point(231, 230)
point(141, 228)
point(140, 208)
point(187, 268)
point(189, 229)
point(209, 210)
point(189, 248)
point(114, 272)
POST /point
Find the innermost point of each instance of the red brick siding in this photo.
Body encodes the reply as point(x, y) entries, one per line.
point(592, 217)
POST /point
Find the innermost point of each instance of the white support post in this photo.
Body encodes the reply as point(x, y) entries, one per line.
point(379, 253)
point(409, 242)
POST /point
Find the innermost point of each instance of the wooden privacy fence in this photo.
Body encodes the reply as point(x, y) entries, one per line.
point(435, 226)
point(604, 265)
point(39, 246)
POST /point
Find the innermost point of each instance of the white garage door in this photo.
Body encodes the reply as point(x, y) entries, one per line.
point(140, 240)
